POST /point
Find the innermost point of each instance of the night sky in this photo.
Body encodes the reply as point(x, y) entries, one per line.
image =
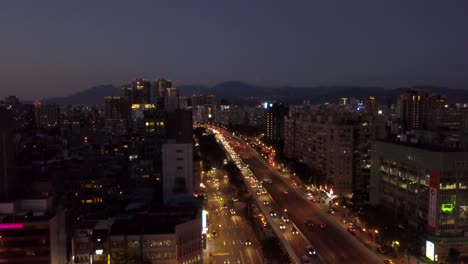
point(62, 47)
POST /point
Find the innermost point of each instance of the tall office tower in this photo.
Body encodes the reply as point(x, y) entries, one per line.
point(7, 156)
point(171, 99)
point(416, 109)
point(183, 102)
point(47, 116)
point(141, 91)
point(160, 88)
point(179, 126)
point(370, 105)
point(112, 107)
point(125, 95)
point(177, 155)
point(274, 120)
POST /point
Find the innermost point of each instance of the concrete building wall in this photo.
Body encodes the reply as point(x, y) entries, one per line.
point(177, 170)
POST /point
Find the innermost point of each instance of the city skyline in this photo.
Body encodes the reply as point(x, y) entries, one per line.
point(66, 48)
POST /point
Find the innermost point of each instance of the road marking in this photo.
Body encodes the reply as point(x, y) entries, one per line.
point(242, 256)
point(221, 254)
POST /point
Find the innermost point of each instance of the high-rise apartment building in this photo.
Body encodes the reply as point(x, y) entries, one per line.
point(141, 92)
point(160, 91)
point(7, 156)
point(112, 107)
point(47, 116)
point(417, 109)
point(336, 145)
point(274, 120)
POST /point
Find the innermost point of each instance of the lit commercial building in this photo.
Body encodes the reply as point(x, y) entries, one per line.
point(32, 232)
point(170, 237)
point(427, 185)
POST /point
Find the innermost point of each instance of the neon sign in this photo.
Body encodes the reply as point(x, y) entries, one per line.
point(11, 226)
point(447, 208)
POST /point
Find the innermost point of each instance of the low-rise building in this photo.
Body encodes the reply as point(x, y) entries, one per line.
point(427, 185)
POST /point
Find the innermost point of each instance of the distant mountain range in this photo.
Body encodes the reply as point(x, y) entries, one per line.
point(239, 92)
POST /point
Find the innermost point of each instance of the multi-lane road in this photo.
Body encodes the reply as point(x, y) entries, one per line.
point(333, 243)
point(229, 232)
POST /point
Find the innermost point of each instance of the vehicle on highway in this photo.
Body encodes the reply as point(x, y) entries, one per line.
point(305, 260)
point(285, 219)
point(285, 192)
point(309, 223)
point(384, 249)
point(323, 226)
point(234, 199)
point(232, 211)
point(273, 213)
point(248, 242)
point(351, 230)
point(214, 233)
point(265, 202)
point(267, 180)
point(282, 226)
point(311, 251)
point(389, 261)
point(331, 211)
point(294, 231)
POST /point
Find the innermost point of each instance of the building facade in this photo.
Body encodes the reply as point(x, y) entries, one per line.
point(427, 186)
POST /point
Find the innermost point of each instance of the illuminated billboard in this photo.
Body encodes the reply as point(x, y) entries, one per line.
point(204, 222)
point(430, 250)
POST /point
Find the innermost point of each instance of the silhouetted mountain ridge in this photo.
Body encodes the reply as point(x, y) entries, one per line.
point(240, 92)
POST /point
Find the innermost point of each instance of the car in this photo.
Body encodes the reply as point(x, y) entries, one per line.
point(214, 233)
point(234, 199)
point(232, 211)
point(323, 226)
point(248, 242)
point(351, 230)
point(311, 251)
point(273, 213)
point(294, 231)
point(331, 211)
point(309, 224)
point(285, 219)
point(285, 192)
point(265, 202)
point(384, 249)
point(282, 226)
point(305, 260)
point(389, 261)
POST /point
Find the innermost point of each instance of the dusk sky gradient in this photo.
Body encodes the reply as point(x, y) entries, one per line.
point(56, 48)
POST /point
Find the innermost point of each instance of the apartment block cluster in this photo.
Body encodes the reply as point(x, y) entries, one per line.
point(410, 157)
point(112, 183)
